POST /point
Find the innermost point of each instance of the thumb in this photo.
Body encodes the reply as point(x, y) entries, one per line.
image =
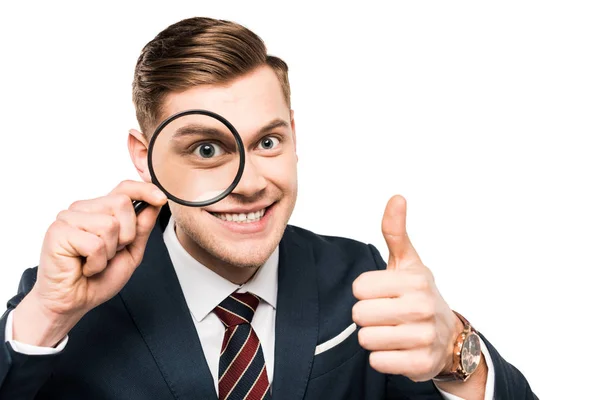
point(393, 227)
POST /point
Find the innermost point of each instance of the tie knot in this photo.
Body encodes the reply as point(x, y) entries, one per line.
point(237, 309)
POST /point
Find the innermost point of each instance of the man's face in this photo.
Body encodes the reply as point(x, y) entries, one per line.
point(268, 184)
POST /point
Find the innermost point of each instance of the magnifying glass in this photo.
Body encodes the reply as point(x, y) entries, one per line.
point(196, 157)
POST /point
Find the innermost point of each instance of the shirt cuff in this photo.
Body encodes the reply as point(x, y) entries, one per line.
point(489, 383)
point(28, 349)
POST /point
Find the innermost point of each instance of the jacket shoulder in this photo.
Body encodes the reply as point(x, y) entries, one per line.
point(342, 251)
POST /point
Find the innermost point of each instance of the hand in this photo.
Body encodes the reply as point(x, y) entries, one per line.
point(88, 255)
point(406, 324)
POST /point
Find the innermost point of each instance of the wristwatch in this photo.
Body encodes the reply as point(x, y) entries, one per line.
point(466, 355)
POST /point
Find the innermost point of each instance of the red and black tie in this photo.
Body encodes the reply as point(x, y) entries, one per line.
point(242, 369)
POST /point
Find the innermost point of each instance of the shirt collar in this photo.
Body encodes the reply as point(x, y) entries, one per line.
point(204, 289)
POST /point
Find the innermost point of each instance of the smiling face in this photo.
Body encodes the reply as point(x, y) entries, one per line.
point(242, 230)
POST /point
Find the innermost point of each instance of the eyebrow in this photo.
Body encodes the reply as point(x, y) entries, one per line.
point(199, 129)
point(276, 123)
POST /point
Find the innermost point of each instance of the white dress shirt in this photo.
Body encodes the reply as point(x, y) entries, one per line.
point(204, 290)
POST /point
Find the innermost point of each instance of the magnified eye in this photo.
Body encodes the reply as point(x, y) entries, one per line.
point(208, 150)
point(269, 142)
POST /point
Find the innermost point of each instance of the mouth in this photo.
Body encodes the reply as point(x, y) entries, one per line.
point(243, 218)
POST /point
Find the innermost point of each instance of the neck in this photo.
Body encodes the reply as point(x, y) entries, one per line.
point(233, 273)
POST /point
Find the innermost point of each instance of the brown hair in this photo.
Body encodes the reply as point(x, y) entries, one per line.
point(197, 51)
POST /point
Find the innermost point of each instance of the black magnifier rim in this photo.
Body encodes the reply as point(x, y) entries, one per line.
point(238, 141)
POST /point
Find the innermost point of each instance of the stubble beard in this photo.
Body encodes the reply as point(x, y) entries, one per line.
point(210, 250)
point(237, 255)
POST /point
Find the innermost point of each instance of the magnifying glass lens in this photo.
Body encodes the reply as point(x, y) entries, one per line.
point(196, 159)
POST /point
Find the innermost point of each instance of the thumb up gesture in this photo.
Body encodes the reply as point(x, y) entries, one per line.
point(405, 322)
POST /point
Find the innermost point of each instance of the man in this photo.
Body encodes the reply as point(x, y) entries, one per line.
point(187, 303)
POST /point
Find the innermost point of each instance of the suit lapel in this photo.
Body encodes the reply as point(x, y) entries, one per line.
point(156, 304)
point(297, 317)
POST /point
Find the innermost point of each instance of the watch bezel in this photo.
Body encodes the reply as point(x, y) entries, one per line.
point(465, 349)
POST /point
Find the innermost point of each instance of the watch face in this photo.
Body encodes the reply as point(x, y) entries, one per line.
point(470, 354)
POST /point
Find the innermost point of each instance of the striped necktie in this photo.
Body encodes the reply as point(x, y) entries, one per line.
point(242, 369)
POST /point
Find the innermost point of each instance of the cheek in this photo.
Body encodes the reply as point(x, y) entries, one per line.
point(184, 213)
point(281, 171)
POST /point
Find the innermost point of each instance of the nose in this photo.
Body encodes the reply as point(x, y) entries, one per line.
point(252, 181)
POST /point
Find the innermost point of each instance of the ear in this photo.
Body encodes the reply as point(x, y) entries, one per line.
point(293, 123)
point(138, 151)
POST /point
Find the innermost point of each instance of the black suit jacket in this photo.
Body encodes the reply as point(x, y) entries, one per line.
point(142, 344)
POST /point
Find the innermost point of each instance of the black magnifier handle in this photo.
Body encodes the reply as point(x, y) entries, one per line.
point(139, 206)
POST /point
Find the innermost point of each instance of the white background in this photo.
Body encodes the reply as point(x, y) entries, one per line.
point(485, 116)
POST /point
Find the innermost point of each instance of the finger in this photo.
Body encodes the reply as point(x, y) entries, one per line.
point(393, 311)
point(149, 193)
point(123, 265)
point(103, 225)
point(393, 227)
point(79, 243)
point(118, 205)
point(376, 312)
point(401, 337)
point(415, 364)
point(120, 269)
point(145, 191)
point(387, 283)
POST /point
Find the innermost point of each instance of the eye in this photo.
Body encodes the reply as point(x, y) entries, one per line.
point(208, 150)
point(269, 142)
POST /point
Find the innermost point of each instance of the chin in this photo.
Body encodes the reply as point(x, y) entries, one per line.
point(246, 254)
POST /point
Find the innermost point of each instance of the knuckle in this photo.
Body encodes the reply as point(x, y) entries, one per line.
point(128, 233)
point(425, 310)
point(428, 336)
point(53, 231)
point(429, 308)
point(426, 271)
point(421, 283)
point(96, 246)
point(123, 185)
point(76, 205)
point(121, 201)
point(112, 225)
point(57, 225)
point(62, 215)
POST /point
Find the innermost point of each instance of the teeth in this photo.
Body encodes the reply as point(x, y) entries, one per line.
point(242, 218)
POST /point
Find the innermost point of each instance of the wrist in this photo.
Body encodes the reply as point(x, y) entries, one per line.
point(35, 325)
point(458, 329)
point(473, 388)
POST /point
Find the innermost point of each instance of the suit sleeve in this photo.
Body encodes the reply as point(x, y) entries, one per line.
point(21, 375)
point(510, 384)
